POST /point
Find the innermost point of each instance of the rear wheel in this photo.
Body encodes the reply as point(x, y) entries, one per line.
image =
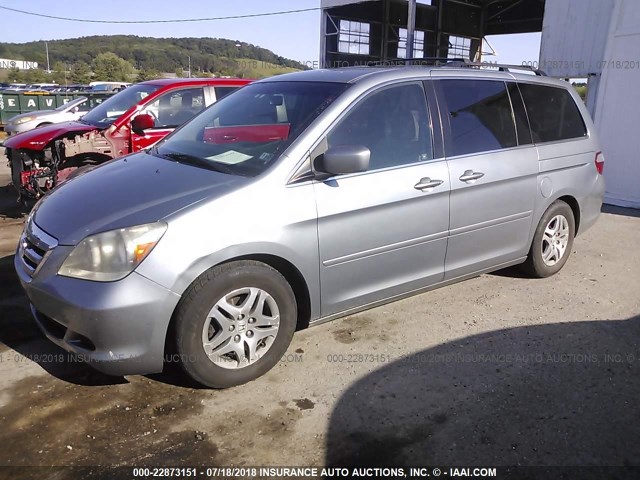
point(552, 241)
point(235, 323)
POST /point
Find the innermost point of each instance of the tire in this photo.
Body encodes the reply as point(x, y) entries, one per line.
point(216, 315)
point(552, 241)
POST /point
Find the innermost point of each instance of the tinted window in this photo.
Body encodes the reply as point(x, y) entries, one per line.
point(222, 92)
point(392, 123)
point(553, 114)
point(480, 116)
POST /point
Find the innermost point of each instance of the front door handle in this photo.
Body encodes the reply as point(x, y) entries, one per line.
point(426, 183)
point(470, 176)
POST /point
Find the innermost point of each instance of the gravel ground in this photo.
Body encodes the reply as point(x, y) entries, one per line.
point(498, 370)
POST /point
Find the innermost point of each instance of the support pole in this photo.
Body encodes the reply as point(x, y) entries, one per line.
point(411, 28)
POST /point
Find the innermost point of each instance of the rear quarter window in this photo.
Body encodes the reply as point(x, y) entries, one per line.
point(553, 114)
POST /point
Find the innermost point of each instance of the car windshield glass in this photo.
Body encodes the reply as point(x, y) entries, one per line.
point(71, 104)
point(247, 131)
point(109, 110)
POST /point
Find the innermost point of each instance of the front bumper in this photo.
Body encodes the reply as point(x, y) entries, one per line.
point(119, 328)
point(11, 129)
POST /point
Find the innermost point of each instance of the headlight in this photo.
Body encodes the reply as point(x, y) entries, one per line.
point(23, 120)
point(110, 256)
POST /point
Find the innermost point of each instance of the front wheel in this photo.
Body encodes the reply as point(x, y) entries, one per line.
point(235, 323)
point(552, 241)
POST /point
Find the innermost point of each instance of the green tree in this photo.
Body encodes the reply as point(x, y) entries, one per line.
point(160, 54)
point(81, 73)
point(108, 67)
point(145, 74)
point(36, 75)
point(60, 73)
point(14, 75)
point(179, 72)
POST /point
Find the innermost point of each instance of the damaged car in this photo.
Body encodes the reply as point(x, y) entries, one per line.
point(127, 122)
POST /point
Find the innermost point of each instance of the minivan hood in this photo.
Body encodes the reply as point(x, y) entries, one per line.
point(132, 190)
point(39, 138)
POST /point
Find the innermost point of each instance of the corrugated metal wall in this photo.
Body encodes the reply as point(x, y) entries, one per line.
point(617, 113)
point(574, 36)
point(601, 39)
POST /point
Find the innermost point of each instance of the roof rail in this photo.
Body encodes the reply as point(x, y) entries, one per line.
point(463, 62)
point(503, 67)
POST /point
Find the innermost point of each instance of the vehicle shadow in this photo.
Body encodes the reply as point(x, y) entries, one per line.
point(546, 395)
point(515, 271)
point(22, 341)
point(9, 205)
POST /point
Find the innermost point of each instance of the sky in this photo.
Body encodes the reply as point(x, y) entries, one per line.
point(295, 36)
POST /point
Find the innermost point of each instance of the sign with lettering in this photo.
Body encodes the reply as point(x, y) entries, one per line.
point(6, 64)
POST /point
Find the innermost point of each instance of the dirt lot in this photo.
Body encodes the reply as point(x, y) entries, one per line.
point(499, 370)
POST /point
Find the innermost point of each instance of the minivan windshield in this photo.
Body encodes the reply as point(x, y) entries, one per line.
point(71, 103)
point(247, 131)
point(108, 111)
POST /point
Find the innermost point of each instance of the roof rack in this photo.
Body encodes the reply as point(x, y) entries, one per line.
point(465, 63)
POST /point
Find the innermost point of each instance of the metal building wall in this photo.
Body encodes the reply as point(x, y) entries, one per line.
point(574, 36)
point(617, 114)
point(600, 39)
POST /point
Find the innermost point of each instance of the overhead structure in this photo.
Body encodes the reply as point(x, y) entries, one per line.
point(356, 32)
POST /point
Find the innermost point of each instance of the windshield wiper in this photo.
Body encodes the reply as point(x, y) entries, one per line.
point(193, 160)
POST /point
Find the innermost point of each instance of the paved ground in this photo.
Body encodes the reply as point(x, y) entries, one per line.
point(499, 370)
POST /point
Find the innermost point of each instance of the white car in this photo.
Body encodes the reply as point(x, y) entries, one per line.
point(68, 112)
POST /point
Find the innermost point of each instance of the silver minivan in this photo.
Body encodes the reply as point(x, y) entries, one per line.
point(304, 198)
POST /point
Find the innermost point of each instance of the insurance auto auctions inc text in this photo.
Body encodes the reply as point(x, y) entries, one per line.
point(373, 472)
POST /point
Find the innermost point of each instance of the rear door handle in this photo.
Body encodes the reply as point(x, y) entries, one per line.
point(426, 183)
point(470, 176)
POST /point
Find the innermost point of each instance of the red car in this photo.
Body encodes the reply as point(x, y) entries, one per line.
point(131, 120)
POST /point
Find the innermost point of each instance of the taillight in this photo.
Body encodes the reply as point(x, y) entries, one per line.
point(600, 162)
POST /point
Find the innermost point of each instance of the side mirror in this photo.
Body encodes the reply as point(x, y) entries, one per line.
point(343, 159)
point(75, 109)
point(141, 123)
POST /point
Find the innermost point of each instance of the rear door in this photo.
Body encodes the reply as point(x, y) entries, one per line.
point(383, 232)
point(493, 169)
point(169, 111)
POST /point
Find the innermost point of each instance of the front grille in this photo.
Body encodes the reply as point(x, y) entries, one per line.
point(35, 245)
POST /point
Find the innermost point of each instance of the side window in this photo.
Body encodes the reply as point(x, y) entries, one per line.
point(393, 123)
point(175, 108)
point(480, 116)
point(553, 114)
point(222, 92)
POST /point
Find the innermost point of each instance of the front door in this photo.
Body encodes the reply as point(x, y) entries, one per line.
point(383, 232)
point(169, 111)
